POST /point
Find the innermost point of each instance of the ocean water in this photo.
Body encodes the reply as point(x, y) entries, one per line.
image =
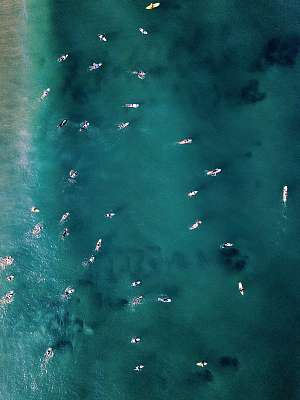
point(225, 73)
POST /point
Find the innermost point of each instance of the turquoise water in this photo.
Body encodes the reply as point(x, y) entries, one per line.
point(213, 75)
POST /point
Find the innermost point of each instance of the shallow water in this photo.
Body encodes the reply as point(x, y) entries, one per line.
point(212, 76)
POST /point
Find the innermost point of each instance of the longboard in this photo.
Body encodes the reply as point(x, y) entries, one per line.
point(151, 6)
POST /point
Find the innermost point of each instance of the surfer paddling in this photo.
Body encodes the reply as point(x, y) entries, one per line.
point(143, 31)
point(285, 194)
point(68, 292)
point(64, 217)
point(132, 105)
point(241, 288)
point(140, 74)
point(98, 245)
point(122, 125)
point(195, 225)
point(226, 245)
point(214, 172)
point(193, 193)
point(185, 141)
point(49, 353)
point(63, 58)
point(95, 66)
point(45, 94)
point(201, 364)
point(152, 6)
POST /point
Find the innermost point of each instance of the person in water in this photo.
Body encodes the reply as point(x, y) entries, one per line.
point(164, 299)
point(201, 364)
point(135, 340)
point(65, 233)
point(137, 300)
point(68, 292)
point(10, 278)
point(136, 283)
point(109, 215)
point(102, 38)
point(73, 174)
point(139, 367)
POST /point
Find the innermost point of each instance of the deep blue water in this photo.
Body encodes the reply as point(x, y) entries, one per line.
point(225, 74)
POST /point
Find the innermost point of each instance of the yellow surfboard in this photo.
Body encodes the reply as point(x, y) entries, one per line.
point(151, 6)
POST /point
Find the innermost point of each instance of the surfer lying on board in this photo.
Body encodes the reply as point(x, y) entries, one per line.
point(140, 74)
point(185, 141)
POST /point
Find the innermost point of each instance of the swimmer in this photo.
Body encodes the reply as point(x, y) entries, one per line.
point(136, 283)
point(65, 233)
point(109, 215)
point(225, 245)
point(193, 193)
point(137, 300)
point(132, 105)
point(139, 367)
point(8, 298)
point(284, 194)
point(185, 141)
point(214, 172)
point(64, 217)
point(143, 31)
point(62, 123)
point(195, 225)
point(68, 292)
point(91, 259)
point(135, 340)
point(45, 94)
point(6, 262)
point(84, 126)
point(102, 38)
point(140, 74)
point(123, 125)
point(63, 58)
point(37, 229)
point(34, 210)
point(164, 299)
point(241, 288)
point(73, 174)
point(48, 354)
point(201, 364)
point(95, 66)
point(10, 278)
point(98, 245)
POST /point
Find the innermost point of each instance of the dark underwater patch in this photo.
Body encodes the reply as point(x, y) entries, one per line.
point(63, 344)
point(227, 361)
point(282, 51)
point(232, 260)
point(250, 92)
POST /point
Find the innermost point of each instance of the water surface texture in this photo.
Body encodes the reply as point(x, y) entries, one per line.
point(226, 74)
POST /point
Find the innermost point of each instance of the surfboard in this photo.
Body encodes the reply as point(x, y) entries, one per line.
point(151, 6)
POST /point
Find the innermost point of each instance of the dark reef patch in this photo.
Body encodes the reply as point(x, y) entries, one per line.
point(250, 92)
point(281, 51)
point(227, 361)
